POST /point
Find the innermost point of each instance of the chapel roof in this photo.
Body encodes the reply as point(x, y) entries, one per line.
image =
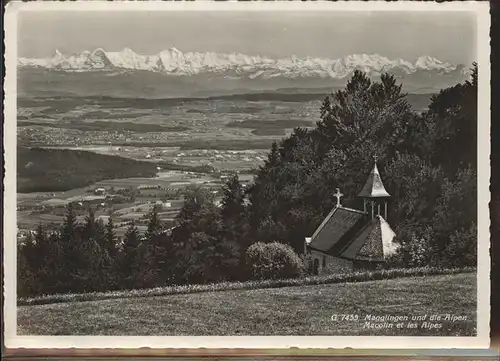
point(374, 188)
point(339, 222)
point(351, 234)
point(372, 243)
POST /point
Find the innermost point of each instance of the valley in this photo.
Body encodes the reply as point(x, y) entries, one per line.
point(122, 156)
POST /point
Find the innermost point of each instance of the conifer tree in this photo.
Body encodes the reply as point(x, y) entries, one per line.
point(151, 255)
point(26, 274)
point(69, 224)
point(273, 157)
point(89, 271)
point(232, 204)
point(154, 228)
point(69, 250)
point(131, 262)
point(111, 240)
point(131, 239)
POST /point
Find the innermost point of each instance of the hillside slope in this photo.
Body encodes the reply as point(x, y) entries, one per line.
point(304, 310)
point(49, 170)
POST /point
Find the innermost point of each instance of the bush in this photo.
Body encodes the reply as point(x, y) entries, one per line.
point(307, 264)
point(415, 250)
point(273, 261)
point(462, 247)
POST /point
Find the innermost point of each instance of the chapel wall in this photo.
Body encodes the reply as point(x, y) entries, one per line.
point(328, 264)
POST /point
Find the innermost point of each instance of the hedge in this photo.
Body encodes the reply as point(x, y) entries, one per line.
point(362, 276)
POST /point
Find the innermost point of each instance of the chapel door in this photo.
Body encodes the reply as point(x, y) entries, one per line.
point(316, 266)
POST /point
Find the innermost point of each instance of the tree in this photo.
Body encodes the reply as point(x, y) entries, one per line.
point(130, 258)
point(150, 252)
point(43, 260)
point(415, 185)
point(233, 197)
point(198, 214)
point(208, 259)
point(69, 224)
point(26, 272)
point(111, 240)
point(154, 227)
point(132, 238)
point(455, 220)
point(205, 249)
point(273, 157)
point(69, 251)
point(110, 248)
point(365, 111)
point(454, 113)
point(91, 270)
point(233, 213)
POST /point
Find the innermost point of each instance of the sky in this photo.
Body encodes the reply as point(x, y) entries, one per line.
point(447, 36)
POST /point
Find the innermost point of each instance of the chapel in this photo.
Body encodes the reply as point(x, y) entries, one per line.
point(351, 239)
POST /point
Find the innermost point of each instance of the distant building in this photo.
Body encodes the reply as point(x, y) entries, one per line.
point(148, 186)
point(163, 204)
point(99, 191)
point(350, 239)
point(94, 199)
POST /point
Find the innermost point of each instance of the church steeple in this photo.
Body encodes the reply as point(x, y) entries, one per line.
point(374, 192)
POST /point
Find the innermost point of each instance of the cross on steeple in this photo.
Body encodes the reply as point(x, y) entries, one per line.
point(375, 158)
point(338, 195)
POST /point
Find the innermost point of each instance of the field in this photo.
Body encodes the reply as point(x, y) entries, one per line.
point(173, 130)
point(244, 121)
point(166, 187)
point(299, 310)
point(109, 126)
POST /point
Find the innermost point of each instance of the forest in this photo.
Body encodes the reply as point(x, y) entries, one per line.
point(428, 162)
point(56, 170)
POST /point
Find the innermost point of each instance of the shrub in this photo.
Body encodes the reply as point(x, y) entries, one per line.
point(307, 265)
point(462, 247)
point(273, 261)
point(415, 250)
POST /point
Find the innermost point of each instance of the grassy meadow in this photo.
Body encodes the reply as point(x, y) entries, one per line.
point(298, 310)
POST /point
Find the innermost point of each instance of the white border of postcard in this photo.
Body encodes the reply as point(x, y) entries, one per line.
point(481, 9)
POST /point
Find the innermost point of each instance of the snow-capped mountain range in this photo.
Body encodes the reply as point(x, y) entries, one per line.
point(238, 66)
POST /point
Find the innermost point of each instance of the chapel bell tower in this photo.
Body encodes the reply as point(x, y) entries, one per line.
point(374, 194)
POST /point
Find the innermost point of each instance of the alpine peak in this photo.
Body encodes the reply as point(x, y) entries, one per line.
point(175, 62)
